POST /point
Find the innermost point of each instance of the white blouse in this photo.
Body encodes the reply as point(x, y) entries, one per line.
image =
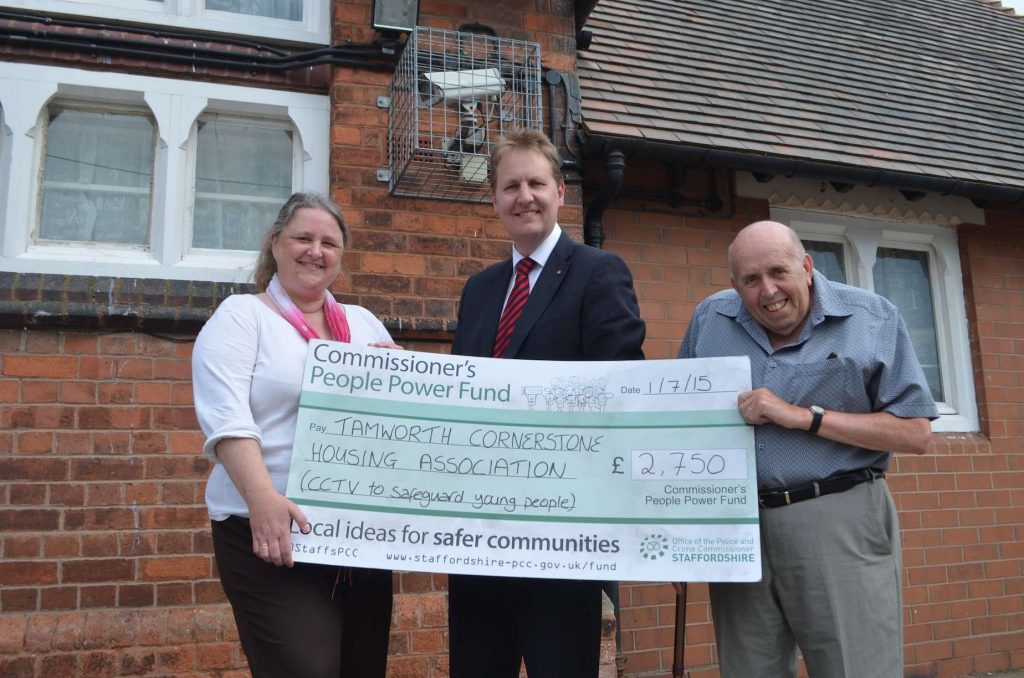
point(246, 377)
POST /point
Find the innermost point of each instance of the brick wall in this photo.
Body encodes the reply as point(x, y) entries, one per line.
point(105, 550)
point(105, 543)
point(961, 506)
point(106, 556)
point(410, 257)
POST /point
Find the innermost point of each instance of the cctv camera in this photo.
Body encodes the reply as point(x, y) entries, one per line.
point(454, 86)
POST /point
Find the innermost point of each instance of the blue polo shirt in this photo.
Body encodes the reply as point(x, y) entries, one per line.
point(853, 355)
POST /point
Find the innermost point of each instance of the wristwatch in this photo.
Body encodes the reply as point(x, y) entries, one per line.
point(817, 413)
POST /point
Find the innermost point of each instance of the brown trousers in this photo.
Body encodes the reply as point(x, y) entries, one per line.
point(313, 621)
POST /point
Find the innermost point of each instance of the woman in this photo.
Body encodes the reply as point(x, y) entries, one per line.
point(294, 619)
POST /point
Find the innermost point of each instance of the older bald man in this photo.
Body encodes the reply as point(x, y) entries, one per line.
point(837, 390)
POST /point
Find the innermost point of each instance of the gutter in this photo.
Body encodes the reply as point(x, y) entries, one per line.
point(764, 167)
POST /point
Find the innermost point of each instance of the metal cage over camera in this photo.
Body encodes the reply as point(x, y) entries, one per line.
point(453, 94)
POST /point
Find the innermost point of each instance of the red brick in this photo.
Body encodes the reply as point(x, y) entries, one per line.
point(104, 494)
point(16, 546)
point(25, 573)
point(10, 390)
point(53, 367)
point(135, 595)
point(58, 665)
point(59, 598)
point(101, 468)
point(67, 495)
point(35, 469)
point(181, 394)
point(97, 570)
point(40, 391)
point(99, 664)
point(175, 418)
point(170, 568)
point(61, 545)
point(103, 596)
point(217, 656)
point(434, 609)
point(427, 642)
point(19, 600)
point(112, 442)
point(148, 442)
point(34, 442)
point(17, 667)
point(27, 494)
point(77, 343)
point(174, 594)
point(73, 442)
point(155, 393)
point(116, 393)
point(137, 661)
point(172, 369)
point(175, 517)
point(96, 368)
point(413, 582)
point(143, 493)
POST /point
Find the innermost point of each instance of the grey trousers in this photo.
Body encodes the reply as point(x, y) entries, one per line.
point(831, 585)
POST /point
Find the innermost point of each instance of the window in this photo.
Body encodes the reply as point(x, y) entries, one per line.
point(289, 10)
point(306, 21)
point(903, 277)
point(97, 176)
point(243, 175)
point(917, 268)
point(141, 177)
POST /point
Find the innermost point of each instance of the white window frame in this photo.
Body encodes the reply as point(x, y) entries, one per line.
point(861, 238)
point(314, 28)
point(25, 92)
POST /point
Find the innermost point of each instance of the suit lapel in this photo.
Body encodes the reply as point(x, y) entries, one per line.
point(551, 276)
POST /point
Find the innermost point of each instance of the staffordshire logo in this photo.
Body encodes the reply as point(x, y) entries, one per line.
point(653, 546)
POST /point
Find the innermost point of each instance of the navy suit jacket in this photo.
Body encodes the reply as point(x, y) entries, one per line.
point(582, 307)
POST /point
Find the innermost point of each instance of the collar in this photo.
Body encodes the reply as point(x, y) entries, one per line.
point(543, 251)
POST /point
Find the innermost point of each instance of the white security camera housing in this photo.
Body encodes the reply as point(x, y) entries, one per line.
point(456, 86)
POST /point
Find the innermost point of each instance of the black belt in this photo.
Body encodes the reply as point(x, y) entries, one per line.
point(830, 485)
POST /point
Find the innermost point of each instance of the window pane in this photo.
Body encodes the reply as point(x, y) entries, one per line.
point(290, 10)
point(97, 177)
point(243, 176)
point(902, 277)
point(828, 258)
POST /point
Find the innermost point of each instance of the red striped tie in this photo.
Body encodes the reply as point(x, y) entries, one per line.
point(513, 307)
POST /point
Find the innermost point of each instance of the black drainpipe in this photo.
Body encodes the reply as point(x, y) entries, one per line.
point(614, 170)
point(593, 235)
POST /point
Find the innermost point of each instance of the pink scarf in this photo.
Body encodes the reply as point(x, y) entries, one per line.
point(337, 323)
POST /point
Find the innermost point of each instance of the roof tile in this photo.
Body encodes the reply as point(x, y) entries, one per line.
point(930, 87)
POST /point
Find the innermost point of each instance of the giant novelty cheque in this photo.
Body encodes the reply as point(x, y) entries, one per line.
point(638, 470)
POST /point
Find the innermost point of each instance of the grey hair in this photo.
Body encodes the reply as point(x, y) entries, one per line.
point(266, 265)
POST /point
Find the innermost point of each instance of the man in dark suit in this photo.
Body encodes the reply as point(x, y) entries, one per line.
point(566, 302)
